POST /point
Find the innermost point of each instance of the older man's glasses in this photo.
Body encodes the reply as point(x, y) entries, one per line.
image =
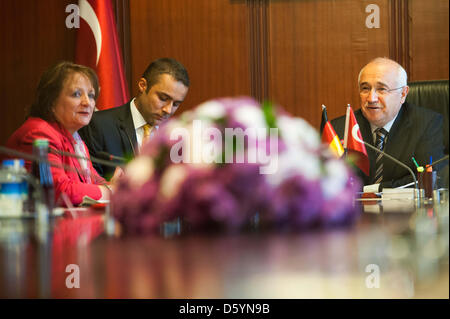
point(365, 90)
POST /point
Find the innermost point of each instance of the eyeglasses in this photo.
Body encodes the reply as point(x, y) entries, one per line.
point(365, 90)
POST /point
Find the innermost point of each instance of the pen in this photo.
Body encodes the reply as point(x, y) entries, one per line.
point(419, 168)
point(415, 162)
point(429, 168)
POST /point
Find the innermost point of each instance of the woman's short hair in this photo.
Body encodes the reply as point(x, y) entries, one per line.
point(51, 84)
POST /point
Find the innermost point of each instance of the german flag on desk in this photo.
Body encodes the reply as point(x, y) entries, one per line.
point(329, 136)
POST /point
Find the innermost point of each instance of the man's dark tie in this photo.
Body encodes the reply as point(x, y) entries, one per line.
point(381, 136)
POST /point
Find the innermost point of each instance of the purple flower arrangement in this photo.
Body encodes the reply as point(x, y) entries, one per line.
point(229, 162)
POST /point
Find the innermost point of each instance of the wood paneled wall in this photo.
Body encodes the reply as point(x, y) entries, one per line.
point(298, 53)
point(316, 51)
point(428, 37)
point(33, 36)
point(210, 38)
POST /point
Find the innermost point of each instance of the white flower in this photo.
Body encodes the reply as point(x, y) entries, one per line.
point(298, 133)
point(335, 178)
point(139, 171)
point(173, 124)
point(187, 116)
point(171, 181)
point(295, 161)
point(212, 110)
point(250, 116)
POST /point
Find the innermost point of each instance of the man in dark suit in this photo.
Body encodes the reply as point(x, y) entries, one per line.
point(121, 131)
point(404, 131)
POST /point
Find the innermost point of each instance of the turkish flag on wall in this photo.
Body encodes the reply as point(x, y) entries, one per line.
point(98, 47)
point(353, 142)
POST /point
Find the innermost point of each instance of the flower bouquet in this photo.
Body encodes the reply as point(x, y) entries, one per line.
point(230, 162)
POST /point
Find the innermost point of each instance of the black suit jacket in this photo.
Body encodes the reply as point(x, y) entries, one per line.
point(415, 132)
point(111, 131)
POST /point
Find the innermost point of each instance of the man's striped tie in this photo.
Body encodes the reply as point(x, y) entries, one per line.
point(381, 136)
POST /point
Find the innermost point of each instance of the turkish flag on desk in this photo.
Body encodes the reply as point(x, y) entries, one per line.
point(353, 144)
point(98, 47)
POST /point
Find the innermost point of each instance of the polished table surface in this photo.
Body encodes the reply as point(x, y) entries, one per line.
point(398, 254)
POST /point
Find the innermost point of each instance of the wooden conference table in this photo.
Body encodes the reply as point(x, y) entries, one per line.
point(401, 253)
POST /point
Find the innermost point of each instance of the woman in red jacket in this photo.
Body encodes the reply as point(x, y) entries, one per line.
point(64, 103)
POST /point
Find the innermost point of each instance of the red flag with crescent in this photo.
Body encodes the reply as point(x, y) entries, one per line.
point(353, 142)
point(97, 46)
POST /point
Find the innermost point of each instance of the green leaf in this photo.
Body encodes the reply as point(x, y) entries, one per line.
point(269, 114)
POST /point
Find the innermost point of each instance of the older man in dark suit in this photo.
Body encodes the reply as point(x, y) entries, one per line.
point(121, 131)
point(387, 122)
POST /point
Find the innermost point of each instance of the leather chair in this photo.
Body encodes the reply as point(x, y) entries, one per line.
point(433, 95)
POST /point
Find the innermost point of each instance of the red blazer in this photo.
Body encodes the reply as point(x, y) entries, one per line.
point(67, 181)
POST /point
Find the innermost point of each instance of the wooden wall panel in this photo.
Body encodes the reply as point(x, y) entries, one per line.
point(429, 39)
point(399, 33)
point(300, 53)
point(317, 49)
point(122, 15)
point(33, 36)
point(210, 38)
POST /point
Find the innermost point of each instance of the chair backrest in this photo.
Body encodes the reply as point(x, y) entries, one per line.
point(432, 95)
